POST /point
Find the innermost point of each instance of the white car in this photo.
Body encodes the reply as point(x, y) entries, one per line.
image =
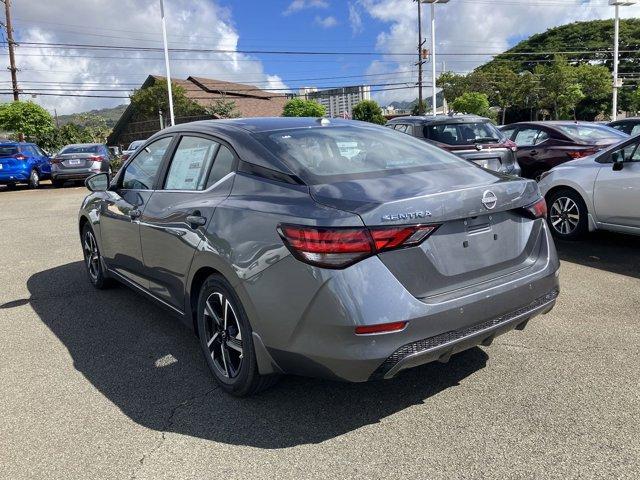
point(600, 192)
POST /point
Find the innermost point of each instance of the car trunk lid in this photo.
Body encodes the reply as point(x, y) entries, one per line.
point(76, 160)
point(481, 230)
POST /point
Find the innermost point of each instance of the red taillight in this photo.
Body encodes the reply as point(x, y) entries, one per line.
point(97, 158)
point(55, 160)
point(341, 247)
point(581, 153)
point(537, 209)
point(511, 145)
point(380, 328)
point(20, 157)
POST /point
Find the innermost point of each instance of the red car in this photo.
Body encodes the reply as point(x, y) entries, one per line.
point(543, 145)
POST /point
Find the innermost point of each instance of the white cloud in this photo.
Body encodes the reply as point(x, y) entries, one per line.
point(465, 26)
point(191, 25)
point(355, 19)
point(298, 5)
point(326, 22)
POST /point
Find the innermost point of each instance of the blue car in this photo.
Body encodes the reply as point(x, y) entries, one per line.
point(23, 163)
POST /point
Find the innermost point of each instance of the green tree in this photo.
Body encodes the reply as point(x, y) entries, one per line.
point(596, 85)
point(452, 85)
point(26, 119)
point(560, 88)
point(472, 102)
point(368, 111)
point(416, 110)
point(299, 107)
point(223, 109)
point(148, 101)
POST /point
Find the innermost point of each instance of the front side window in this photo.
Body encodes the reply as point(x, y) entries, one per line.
point(321, 154)
point(141, 173)
point(191, 163)
point(526, 137)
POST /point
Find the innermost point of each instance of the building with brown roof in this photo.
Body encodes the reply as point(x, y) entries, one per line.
point(249, 101)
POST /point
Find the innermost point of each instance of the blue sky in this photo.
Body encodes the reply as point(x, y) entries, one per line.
point(59, 77)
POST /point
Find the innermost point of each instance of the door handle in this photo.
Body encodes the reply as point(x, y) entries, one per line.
point(196, 220)
point(533, 152)
point(134, 214)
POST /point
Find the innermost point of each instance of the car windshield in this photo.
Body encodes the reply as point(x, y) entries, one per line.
point(591, 133)
point(325, 154)
point(463, 133)
point(80, 149)
point(135, 145)
point(8, 150)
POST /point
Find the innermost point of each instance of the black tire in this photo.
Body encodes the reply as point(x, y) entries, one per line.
point(567, 214)
point(11, 186)
point(93, 260)
point(34, 179)
point(57, 183)
point(235, 371)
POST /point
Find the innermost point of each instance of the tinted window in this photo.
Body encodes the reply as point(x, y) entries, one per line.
point(29, 151)
point(591, 133)
point(542, 136)
point(223, 165)
point(8, 151)
point(623, 127)
point(80, 149)
point(141, 173)
point(190, 164)
point(463, 133)
point(340, 153)
point(401, 128)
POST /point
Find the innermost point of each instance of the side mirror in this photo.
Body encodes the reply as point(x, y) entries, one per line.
point(98, 182)
point(617, 165)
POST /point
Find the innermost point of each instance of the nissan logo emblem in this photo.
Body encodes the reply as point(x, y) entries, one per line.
point(489, 200)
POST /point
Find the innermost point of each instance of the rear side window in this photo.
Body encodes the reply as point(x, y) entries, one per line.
point(8, 151)
point(190, 164)
point(141, 173)
point(508, 132)
point(325, 154)
point(222, 165)
point(29, 151)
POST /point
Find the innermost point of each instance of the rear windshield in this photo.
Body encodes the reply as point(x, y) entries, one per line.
point(463, 133)
point(325, 154)
point(8, 151)
point(80, 149)
point(591, 133)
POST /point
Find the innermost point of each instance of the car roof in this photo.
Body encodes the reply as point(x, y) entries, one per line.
point(551, 123)
point(440, 119)
point(84, 145)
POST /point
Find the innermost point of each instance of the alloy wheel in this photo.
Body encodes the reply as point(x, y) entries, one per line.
point(34, 180)
point(91, 255)
point(223, 335)
point(564, 215)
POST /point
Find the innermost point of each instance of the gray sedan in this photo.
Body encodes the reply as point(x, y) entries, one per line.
point(79, 161)
point(320, 247)
point(600, 192)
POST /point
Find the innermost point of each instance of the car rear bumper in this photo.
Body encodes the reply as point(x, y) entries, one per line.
point(306, 316)
point(72, 174)
point(15, 176)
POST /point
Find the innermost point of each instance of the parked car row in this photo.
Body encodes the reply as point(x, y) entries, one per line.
point(22, 162)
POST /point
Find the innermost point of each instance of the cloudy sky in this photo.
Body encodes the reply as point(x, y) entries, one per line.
point(379, 32)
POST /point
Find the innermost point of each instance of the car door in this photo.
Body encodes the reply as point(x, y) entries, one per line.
point(617, 190)
point(122, 208)
point(43, 161)
point(174, 221)
point(526, 139)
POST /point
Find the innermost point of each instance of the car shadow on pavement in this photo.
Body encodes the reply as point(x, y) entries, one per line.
point(613, 252)
point(144, 361)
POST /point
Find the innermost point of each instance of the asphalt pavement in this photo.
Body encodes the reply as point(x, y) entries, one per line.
point(105, 385)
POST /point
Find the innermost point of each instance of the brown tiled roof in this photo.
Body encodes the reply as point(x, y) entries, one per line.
point(250, 101)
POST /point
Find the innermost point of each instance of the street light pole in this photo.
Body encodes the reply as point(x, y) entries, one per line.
point(166, 62)
point(616, 40)
point(433, 51)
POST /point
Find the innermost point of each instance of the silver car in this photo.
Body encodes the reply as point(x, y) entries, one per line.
point(79, 161)
point(600, 192)
point(319, 247)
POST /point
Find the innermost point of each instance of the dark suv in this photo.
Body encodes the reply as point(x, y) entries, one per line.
point(468, 136)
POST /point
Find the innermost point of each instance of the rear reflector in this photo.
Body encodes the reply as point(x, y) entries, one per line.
point(537, 209)
point(380, 328)
point(340, 247)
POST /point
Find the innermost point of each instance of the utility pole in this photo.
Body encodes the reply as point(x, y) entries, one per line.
point(12, 57)
point(420, 60)
point(616, 39)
